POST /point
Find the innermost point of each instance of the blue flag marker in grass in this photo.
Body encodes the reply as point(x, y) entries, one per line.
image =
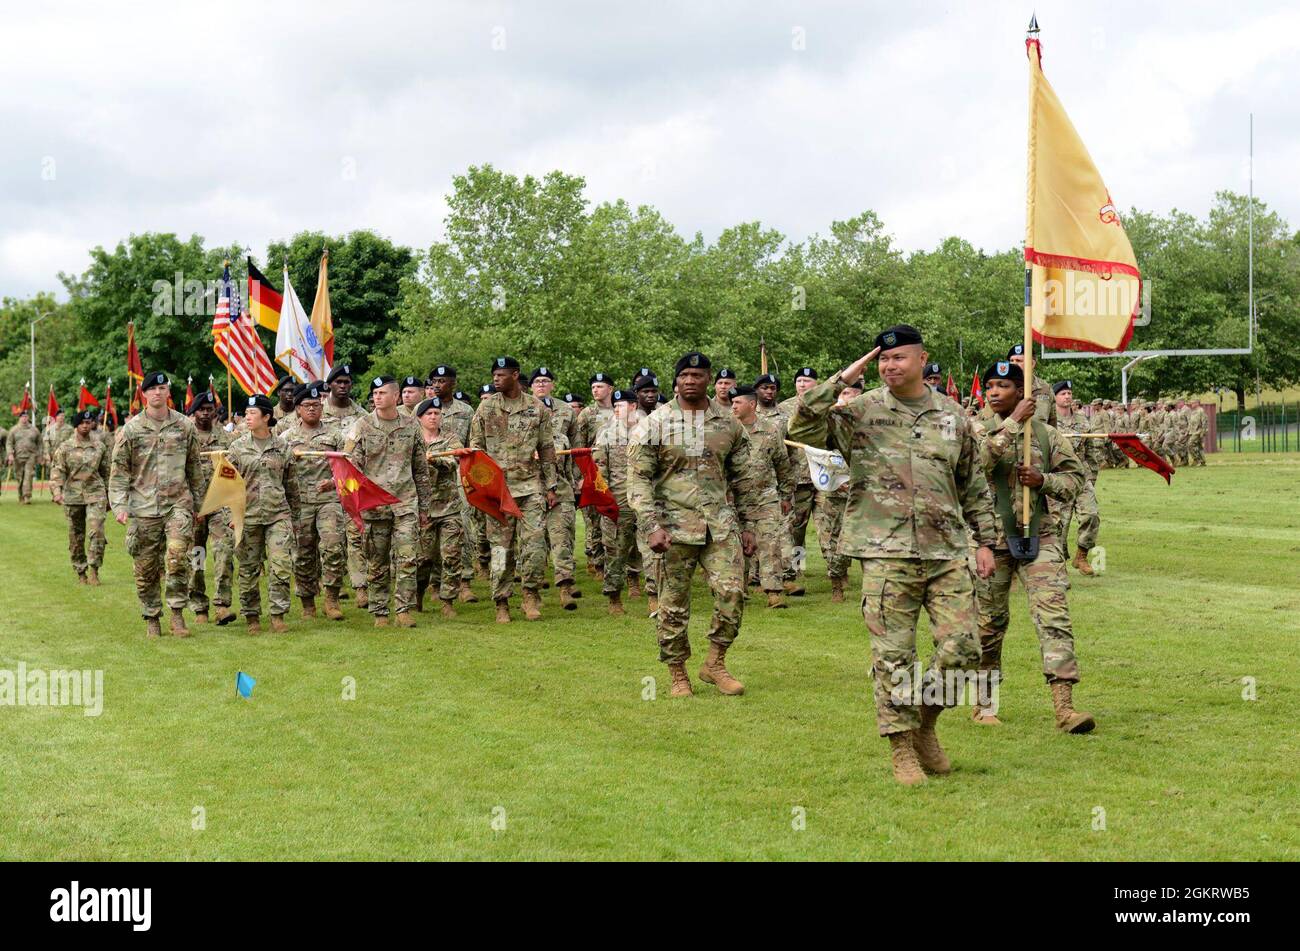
point(244, 684)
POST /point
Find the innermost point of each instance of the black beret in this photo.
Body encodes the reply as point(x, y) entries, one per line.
point(767, 379)
point(623, 396)
point(443, 370)
point(260, 401)
point(693, 360)
point(601, 378)
point(570, 398)
point(743, 390)
point(726, 373)
point(1005, 371)
point(285, 380)
point(379, 381)
point(1060, 385)
point(505, 363)
point(425, 405)
point(486, 388)
point(541, 373)
point(650, 382)
point(84, 416)
point(1017, 350)
point(460, 395)
point(644, 371)
point(808, 372)
point(206, 398)
point(309, 391)
point(900, 335)
point(932, 369)
point(412, 381)
point(342, 369)
point(156, 378)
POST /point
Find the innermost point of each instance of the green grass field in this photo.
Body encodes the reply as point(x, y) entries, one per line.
point(544, 726)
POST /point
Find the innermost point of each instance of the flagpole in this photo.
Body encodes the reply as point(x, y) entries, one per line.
point(1029, 333)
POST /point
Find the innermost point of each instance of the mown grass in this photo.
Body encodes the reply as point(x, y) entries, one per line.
point(544, 726)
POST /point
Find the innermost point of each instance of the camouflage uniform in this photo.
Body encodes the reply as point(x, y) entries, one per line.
point(1084, 503)
point(212, 534)
point(390, 452)
point(52, 438)
point(1178, 435)
point(803, 501)
point(156, 479)
point(456, 416)
point(776, 480)
point(439, 564)
point(561, 520)
point(619, 536)
point(80, 474)
point(590, 422)
point(265, 465)
point(828, 515)
point(345, 418)
point(517, 435)
point(25, 449)
point(680, 467)
point(1198, 426)
point(319, 523)
point(1044, 579)
point(915, 489)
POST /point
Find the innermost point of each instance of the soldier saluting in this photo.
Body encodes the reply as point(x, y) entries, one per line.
point(915, 486)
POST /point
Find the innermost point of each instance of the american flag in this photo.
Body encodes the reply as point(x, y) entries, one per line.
point(236, 343)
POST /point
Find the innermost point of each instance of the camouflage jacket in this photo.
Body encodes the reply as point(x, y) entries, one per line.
point(770, 457)
point(1178, 422)
point(390, 452)
point(444, 475)
point(265, 465)
point(915, 483)
point(680, 466)
point(591, 421)
point(214, 438)
point(797, 458)
point(24, 441)
point(1199, 424)
point(1089, 451)
point(517, 435)
point(562, 428)
point(306, 473)
point(53, 437)
point(345, 418)
point(610, 454)
point(456, 417)
point(1002, 443)
point(80, 471)
point(156, 466)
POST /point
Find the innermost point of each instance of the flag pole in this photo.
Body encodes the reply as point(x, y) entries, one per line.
point(1029, 331)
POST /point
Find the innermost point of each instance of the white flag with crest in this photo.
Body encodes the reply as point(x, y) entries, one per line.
point(828, 469)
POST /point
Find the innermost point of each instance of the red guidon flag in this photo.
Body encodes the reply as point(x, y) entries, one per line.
point(976, 392)
point(52, 405)
point(485, 486)
point(954, 394)
point(1137, 450)
point(595, 490)
point(86, 398)
point(356, 492)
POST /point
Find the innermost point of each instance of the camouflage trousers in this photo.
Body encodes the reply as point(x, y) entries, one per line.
point(646, 563)
point(594, 546)
point(272, 544)
point(829, 516)
point(441, 545)
point(561, 525)
point(1085, 507)
point(529, 533)
point(468, 538)
point(25, 474)
point(796, 525)
point(158, 543)
point(357, 569)
point(894, 590)
point(770, 536)
point(1045, 584)
point(392, 544)
point(86, 520)
point(480, 544)
point(1196, 452)
point(723, 564)
point(212, 535)
point(619, 539)
point(320, 535)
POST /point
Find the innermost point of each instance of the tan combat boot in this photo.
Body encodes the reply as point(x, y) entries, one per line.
point(1068, 719)
point(1081, 562)
point(775, 599)
point(200, 617)
point(633, 587)
point(926, 744)
point(152, 628)
point(81, 578)
point(907, 768)
point(178, 623)
point(566, 597)
point(332, 609)
point(277, 624)
point(503, 611)
point(381, 620)
point(308, 607)
point(616, 605)
point(794, 588)
point(837, 590)
point(681, 682)
point(254, 624)
point(92, 576)
point(225, 615)
point(404, 619)
point(467, 595)
point(532, 605)
point(363, 597)
point(714, 671)
point(448, 611)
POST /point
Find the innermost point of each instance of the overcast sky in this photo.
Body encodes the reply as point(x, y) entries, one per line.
point(253, 122)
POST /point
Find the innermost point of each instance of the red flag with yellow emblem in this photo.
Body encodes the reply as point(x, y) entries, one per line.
point(485, 486)
point(595, 490)
point(356, 492)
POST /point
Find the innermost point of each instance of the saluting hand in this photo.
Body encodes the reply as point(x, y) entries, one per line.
point(853, 372)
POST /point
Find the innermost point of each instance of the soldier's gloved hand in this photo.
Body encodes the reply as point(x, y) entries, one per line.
point(985, 564)
point(747, 544)
point(121, 518)
point(659, 541)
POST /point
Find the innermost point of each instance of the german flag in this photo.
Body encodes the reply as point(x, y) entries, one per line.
point(263, 300)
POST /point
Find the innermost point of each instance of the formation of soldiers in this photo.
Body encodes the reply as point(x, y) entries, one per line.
point(707, 472)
